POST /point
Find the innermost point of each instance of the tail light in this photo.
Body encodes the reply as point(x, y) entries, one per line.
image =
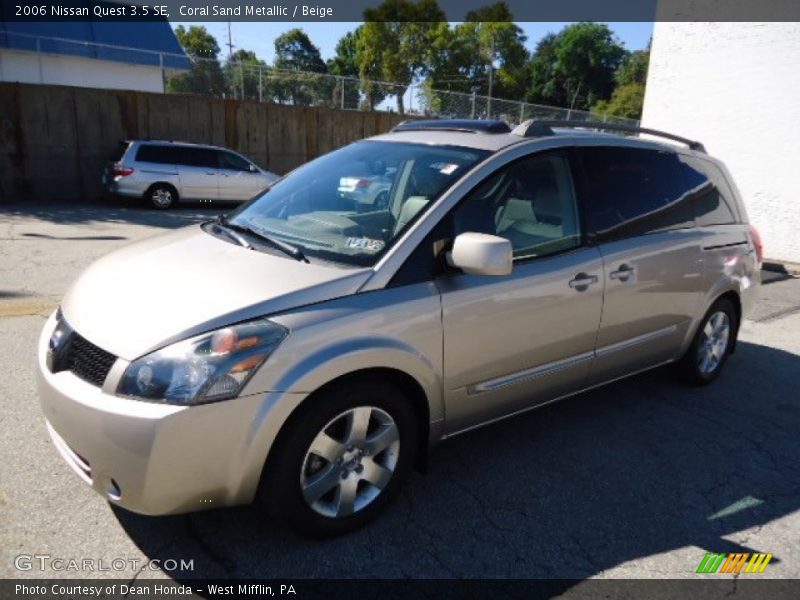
point(756, 237)
point(362, 183)
point(120, 171)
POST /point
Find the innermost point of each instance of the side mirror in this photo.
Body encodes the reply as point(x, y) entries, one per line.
point(481, 254)
point(253, 169)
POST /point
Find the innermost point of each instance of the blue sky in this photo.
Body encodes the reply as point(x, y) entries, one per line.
point(259, 37)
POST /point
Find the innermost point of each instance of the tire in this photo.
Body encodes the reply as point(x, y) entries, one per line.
point(161, 196)
point(711, 345)
point(325, 496)
point(382, 200)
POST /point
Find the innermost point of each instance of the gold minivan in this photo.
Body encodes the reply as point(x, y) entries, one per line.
point(309, 348)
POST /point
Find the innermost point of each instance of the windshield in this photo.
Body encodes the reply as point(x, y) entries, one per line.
point(350, 205)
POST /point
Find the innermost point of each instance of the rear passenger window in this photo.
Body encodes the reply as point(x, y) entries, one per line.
point(633, 191)
point(198, 157)
point(712, 197)
point(156, 154)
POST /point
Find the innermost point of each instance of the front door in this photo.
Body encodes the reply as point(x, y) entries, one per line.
point(515, 341)
point(236, 179)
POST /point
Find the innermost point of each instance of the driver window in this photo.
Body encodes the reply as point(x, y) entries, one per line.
point(531, 203)
point(232, 162)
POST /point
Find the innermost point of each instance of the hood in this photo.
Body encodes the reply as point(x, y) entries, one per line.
point(186, 282)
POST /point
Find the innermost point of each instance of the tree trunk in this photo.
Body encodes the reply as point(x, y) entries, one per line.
point(575, 95)
point(400, 107)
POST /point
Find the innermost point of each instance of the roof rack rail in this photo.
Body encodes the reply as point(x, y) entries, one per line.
point(462, 125)
point(542, 127)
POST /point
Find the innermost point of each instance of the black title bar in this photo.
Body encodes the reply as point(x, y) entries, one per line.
point(353, 10)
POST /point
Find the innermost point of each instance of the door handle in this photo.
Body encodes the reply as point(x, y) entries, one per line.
point(211, 172)
point(623, 273)
point(582, 281)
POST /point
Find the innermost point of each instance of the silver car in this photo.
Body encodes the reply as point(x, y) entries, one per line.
point(306, 353)
point(163, 173)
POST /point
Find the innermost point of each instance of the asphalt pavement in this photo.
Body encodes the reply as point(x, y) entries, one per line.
point(637, 479)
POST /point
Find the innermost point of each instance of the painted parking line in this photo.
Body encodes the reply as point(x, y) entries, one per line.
point(27, 307)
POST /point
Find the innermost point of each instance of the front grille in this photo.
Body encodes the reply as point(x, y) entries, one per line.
point(86, 360)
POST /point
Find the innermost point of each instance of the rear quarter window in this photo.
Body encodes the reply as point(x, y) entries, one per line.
point(712, 196)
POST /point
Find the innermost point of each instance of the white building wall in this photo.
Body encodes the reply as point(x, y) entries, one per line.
point(736, 88)
point(56, 69)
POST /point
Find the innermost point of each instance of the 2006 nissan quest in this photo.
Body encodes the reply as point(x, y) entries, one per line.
point(308, 349)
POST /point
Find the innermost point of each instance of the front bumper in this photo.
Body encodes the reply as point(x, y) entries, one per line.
point(155, 458)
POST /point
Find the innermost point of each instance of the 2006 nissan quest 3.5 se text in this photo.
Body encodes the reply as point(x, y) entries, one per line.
point(308, 349)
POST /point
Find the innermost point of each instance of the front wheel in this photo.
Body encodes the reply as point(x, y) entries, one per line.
point(341, 459)
point(711, 345)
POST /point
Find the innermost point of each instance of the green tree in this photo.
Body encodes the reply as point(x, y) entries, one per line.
point(501, 48)
point(545, 86)
point(394, 43)
point(244, 73)
point(626, 101)
point(633, 68)
point(345, 65)
point(294, 51)
point(577, 66)
point(628, 97)
point(464, 58)
point(205, 76)
point(369, 56)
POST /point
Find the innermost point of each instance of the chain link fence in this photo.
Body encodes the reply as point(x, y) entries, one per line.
point(257, 81)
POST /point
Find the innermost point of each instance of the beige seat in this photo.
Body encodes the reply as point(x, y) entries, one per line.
point(410, 208)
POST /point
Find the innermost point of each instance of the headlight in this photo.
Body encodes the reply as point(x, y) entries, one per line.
point(210, 367)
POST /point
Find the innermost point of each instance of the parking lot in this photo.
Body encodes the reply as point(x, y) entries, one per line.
point(638, 479)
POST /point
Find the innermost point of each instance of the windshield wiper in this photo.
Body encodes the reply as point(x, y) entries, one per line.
point(231, 233)
point(293, 251)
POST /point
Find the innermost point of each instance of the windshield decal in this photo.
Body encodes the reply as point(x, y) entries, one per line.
point(363, 243)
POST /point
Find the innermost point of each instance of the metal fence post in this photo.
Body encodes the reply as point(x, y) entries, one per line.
point(39, 58)
point(521, 112)
point(342, 82)
point(260, 83)
point(472, 114)
point(163, 73)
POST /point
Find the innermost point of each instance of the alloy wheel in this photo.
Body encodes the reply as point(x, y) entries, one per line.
point(713, 343)
point(350, 461)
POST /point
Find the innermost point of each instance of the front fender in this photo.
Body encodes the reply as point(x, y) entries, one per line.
point(395, 328)
point(311, 373)
point(341, 358)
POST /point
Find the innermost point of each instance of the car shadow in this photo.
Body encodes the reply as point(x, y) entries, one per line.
point(631, 470)
point(115, 211)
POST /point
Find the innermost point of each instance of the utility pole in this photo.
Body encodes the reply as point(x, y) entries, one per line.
point(230, 57)
point(491, 79)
